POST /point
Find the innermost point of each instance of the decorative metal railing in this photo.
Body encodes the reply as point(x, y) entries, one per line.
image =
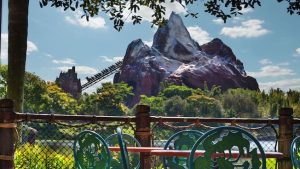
point(45, 140)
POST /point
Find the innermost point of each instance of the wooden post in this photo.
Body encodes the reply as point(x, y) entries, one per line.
point(285, 137)
point(143, 133)
point(7, 129)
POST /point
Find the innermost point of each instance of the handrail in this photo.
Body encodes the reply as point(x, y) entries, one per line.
point(217, 120)
point(142, 120)
point(52, 117)
point(62, 117)
point(296, 120)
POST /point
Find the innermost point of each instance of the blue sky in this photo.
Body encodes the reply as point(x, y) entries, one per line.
point(266, 40)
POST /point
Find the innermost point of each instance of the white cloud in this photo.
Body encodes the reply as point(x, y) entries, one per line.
point(265, 62)
point(272, 71)
point(269, 62)
point(235, 19)
point(148, 43)
point(298, 51)
point(67, 61)
point(80, 69)
point(93, 23)
point(4, 45)
point(284, 64)
point(198, 34)
point(48, 55)
point(111, 59)
point(282, 84)
point(297, 54)
point(174, 7)
point(218, 21)
point(246, 10)
point(31, 47)
point(146, 12)
point(249, 29)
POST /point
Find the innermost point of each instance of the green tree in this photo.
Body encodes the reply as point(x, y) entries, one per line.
point(18, 25)
point(223, 9)
point(174, 90)
point(34, 90)
point(3, 81)
point(57, 101)
point(111, 98)
point(293, 99)
point(293, 96)
point(203, 106)
point(155, 102)
point(276, 101)
point(241, 102)
point(88, 104)
point(175, 106)
point(215, 91)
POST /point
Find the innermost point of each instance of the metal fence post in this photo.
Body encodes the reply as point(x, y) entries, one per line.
point(7, 129)
point(285, 137)
point(143, 133)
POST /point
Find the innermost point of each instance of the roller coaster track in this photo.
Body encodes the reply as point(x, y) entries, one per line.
point(102, 75)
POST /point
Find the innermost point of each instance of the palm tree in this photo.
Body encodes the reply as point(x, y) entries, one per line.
point(17, 46)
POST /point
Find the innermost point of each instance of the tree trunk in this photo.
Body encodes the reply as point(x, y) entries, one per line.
point(17, 47)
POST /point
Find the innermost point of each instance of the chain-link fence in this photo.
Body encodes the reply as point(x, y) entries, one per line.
point(48, 143)
point(45, 145)
point(266, 134)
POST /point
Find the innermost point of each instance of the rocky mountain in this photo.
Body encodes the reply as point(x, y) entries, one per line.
point(69, 82)
point(176, 57)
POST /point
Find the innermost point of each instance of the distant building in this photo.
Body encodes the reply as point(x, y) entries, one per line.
point(69, 82)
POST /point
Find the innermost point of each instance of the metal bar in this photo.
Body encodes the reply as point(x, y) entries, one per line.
point(30, 116)
point(215, 120)
point(50, 117)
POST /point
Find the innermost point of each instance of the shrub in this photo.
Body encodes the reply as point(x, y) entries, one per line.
point(41, 157)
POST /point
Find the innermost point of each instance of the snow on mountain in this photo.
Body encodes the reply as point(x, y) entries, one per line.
point(176, 57)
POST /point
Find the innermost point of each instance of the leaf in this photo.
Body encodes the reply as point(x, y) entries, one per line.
point(45, 2)
point(227, 3)
point(41, 5)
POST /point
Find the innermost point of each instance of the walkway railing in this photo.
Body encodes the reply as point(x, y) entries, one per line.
point(39, 139)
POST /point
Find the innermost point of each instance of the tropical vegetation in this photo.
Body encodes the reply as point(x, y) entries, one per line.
point(172, 100)
point(18, 24)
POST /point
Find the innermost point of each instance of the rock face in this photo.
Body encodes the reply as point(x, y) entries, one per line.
point(176, 57)
point(69, 82)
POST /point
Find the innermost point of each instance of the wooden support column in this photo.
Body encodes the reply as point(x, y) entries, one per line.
point(285, 137)
point(143, 133)
point(7, 129)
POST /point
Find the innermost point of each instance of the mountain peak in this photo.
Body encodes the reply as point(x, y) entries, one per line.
point(217, 40)
point(175, 19)
point(218, 47)
point(175, 57)
point(174, 41)
point(133, 50)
